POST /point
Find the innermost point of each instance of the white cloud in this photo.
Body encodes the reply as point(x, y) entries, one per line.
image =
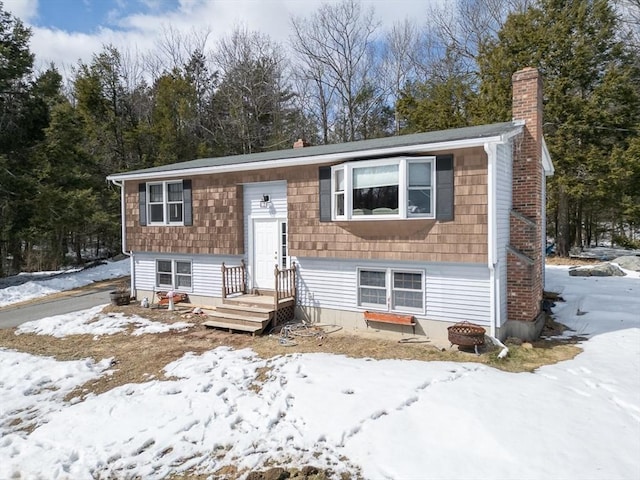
point(141, 31)
point(25, 10)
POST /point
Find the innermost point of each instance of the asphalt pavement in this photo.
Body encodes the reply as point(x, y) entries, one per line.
point(57, 304)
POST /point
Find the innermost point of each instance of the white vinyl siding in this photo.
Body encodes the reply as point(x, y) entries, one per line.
point(206, 277)
point(504, 175)
point(453, 292)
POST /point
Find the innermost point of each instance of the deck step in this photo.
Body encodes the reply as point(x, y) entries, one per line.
point(256, 328)
point(258, 312)
point(240, 318)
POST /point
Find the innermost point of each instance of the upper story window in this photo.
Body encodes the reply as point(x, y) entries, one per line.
point(165, 203)
point(384, 189)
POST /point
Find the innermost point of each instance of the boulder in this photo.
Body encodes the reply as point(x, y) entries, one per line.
point(630, 262)
point(599, 270)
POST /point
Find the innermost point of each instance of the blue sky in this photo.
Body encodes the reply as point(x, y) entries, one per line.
point(89, 15)
point(68, 31)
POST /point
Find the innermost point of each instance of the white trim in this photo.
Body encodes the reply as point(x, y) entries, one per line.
point(174, 273)
point(491, 150)
point(492, 232)
point(317, 159)
point(165, 202)
point(547, 164)
point(403, 188)
point(389, 290)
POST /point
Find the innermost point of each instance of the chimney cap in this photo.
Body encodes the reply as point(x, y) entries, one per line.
point(525, 74)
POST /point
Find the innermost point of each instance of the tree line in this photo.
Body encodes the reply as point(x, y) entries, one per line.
point(339, 78)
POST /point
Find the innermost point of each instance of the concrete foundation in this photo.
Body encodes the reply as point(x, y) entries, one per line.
point(528, 331)
point(433, 330)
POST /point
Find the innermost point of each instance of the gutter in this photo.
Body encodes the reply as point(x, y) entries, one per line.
point(120, 184)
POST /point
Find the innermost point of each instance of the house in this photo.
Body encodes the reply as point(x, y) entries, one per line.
point(437, 227)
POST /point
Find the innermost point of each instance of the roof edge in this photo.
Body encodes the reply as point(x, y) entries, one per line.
point(316, 159)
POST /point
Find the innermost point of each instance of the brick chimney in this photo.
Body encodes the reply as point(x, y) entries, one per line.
point(525, 262)
point(301, 143)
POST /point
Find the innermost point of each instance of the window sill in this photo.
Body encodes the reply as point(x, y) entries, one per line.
point(165, 225)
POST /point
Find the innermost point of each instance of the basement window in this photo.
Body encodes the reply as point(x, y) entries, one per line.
point(392, 290)
point(174, 274)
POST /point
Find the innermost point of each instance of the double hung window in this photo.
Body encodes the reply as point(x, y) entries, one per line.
point(384, 189)
point(166, 203)
point(391, 289)
point(174, 274)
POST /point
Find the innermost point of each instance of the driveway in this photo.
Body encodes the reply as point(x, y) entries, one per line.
point(57, 304)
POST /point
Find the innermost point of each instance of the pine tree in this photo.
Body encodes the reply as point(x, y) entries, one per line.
point(591, 90)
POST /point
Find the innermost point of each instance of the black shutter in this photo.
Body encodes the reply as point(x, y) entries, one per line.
point(325, 193)
point(444, 188)
point(142, 203)
point(188, 209)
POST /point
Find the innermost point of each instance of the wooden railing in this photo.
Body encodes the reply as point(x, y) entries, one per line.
point(234, 279)
point(285, 280)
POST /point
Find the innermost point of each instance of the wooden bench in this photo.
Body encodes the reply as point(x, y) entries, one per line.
point(386, 317)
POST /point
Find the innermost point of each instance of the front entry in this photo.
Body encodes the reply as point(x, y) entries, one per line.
point(266, 252)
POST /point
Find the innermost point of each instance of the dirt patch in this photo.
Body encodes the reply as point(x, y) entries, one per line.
point(570, 261)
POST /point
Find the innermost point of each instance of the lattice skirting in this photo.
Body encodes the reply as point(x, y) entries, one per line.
point(285, 314)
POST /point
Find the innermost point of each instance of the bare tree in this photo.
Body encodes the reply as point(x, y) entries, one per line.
point(337, 58)
point(253, 97)
point(629, 11)
point(174, 50)
point(401, 58)
point(457, 29)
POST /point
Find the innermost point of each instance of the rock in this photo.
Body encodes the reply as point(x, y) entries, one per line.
point(309, 470)
point(599, 270)
point(630, 262)
point(276, 473)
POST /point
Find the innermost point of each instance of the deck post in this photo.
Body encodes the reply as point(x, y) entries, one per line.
point(224, 282)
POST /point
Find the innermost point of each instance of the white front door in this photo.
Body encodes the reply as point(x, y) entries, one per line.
point(266, 252)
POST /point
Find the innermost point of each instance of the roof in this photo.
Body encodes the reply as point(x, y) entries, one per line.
point(438, 140)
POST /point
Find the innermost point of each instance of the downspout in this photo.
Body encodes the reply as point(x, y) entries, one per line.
point(123, 234)
point(491, 150)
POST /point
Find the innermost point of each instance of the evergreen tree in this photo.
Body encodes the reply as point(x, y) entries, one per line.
point(23, 116)
point(591, 91)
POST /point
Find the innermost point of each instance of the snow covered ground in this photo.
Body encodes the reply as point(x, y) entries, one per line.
point(390, 419)
point(15, 289)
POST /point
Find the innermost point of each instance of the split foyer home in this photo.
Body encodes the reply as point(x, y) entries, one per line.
point(429, 229)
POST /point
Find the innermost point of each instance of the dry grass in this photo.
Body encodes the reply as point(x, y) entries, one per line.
point(571, 261)
point(137, 359)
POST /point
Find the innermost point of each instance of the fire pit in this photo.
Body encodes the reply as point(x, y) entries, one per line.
point(466, 334)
